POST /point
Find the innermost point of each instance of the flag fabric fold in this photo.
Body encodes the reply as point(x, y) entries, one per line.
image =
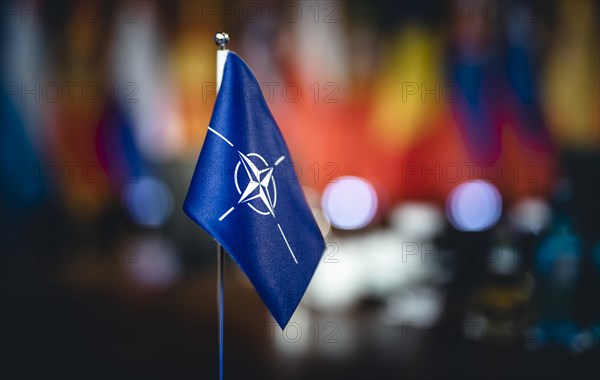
point(245, 193)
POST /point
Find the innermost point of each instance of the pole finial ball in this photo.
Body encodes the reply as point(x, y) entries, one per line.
point(221, 39)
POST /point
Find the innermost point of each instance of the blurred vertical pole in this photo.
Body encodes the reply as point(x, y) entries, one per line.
point(220, 289)
point(221, 39)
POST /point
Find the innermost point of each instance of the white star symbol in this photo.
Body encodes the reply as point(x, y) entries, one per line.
point(258, 187)
point(258, 183)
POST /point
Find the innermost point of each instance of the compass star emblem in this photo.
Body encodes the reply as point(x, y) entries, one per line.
point(258, 185)
point(260, 193)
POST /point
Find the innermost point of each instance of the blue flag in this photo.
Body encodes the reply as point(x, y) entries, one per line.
point(245, 193)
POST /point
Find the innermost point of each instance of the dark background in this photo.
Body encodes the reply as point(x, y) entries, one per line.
point(449, 150)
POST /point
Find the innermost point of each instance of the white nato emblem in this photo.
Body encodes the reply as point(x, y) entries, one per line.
point(255, 183)
point(260, 184)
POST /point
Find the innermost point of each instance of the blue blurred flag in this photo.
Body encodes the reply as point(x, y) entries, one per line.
point(245, 194)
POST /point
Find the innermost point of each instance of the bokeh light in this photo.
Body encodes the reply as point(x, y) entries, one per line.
point(474, 206)
point(420, 221)
point(149, 201)
point(530, 215)
point(350, 203)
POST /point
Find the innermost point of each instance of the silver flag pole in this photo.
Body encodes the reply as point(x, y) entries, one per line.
point(221, 39)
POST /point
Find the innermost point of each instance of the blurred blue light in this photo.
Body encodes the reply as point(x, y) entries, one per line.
point(474, 206)
point(350, 203)
point(149, 201)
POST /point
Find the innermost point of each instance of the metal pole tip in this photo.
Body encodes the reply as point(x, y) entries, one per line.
point(222, 39)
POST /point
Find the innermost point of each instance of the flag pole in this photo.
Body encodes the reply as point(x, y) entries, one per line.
point(221, 40)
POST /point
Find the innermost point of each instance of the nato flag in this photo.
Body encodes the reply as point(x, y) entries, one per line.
point(245, 193)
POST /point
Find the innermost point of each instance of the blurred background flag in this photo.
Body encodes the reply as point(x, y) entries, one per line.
point(245, 193)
